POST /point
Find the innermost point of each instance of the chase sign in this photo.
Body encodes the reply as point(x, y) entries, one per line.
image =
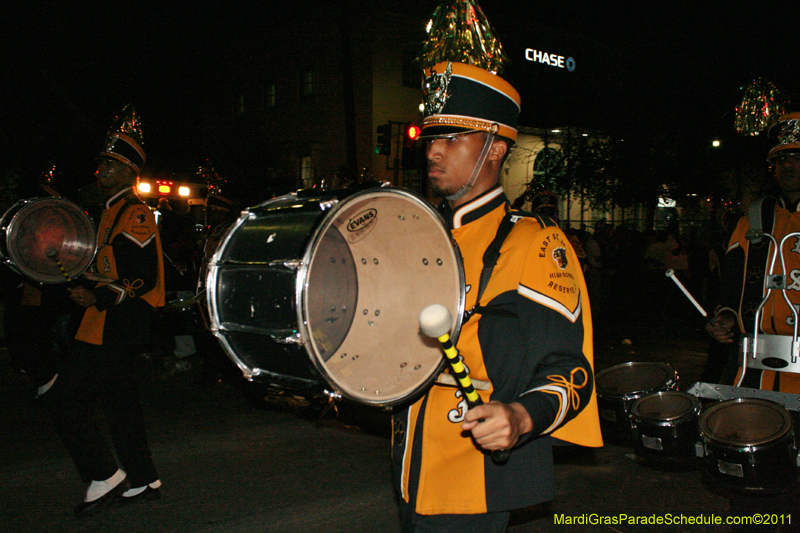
point(554, 60)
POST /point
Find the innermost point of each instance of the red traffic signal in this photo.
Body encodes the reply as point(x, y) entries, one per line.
point(412, 132)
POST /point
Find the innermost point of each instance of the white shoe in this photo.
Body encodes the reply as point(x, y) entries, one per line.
point(46, 387)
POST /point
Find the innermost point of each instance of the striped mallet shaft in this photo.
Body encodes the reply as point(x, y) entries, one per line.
point(459, 370)
point(434, 321)
point(52, 253)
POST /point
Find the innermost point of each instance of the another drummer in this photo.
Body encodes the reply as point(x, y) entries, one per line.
point(743, 288)
point(127, 285)
point(740, 295)
point(529, 336)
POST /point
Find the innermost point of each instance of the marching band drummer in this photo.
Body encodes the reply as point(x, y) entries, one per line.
point(742, 290)
point(746, 262)
point(530, 337)
point(116, 324)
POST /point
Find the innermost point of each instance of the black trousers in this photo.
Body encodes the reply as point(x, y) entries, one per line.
point(103, 374)
point(411, 522)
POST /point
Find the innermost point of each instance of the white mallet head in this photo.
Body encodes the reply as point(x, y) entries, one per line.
point(435, 320)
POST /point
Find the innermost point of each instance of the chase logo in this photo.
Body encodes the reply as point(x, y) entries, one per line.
point(362, 220)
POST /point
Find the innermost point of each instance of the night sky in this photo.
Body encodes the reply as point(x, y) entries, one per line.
point(675, 67)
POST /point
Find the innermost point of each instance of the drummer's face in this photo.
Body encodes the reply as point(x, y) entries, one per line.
point(787, 173)
point(451, 160)
point(113, 176)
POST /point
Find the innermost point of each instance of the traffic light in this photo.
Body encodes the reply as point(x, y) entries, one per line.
point(384, 146)
point(411, 152)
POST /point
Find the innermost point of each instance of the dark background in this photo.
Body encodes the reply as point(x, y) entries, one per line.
point(673, 69)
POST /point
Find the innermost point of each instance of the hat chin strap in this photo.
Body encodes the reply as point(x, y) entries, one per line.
point(475, 171)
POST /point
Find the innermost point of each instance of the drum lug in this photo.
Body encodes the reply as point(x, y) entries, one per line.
point(292, 265)
point(700, 449)
point(291, 339)
point(335, 396)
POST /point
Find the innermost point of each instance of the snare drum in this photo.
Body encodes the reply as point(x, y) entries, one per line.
point(749, 446)
point(618, 387)
point(322, 294)
point(664, 426)
point(41, 232)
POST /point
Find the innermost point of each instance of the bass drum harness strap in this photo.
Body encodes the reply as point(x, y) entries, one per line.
point(490, 258)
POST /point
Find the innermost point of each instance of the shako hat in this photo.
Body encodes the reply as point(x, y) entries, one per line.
point(461, 98)
point(124, 141)
point(784, 136)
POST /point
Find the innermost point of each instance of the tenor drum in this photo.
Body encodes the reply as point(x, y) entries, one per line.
point(664, 426)
point(322, 294)
point(41, 232)
point(749, 446)
point(618, 387)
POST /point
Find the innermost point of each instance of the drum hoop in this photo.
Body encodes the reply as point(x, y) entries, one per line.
point(695, 408)
point(12, 260)
point(636, 394)
point(211, 277)
point(709, 436)
point(302, 276)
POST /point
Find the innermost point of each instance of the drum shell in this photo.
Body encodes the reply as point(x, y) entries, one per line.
point(749, 446)
point(34, 228)
point(619, 386)
point(317, 294)
point(268, 347)
point(664, 426)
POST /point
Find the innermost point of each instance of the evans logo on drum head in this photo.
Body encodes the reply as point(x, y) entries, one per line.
point(362, 220)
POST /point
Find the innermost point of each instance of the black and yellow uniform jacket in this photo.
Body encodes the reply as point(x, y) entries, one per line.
point(536, 351)
point(130, 264)
point(743, 286)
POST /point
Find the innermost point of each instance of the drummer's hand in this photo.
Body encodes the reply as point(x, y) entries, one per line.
point(82, 296)
point(501, 427)
point(723, 330)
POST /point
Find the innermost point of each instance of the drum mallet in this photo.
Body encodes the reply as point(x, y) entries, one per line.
point(52, 253)
point(671, 274)
point(434, 321)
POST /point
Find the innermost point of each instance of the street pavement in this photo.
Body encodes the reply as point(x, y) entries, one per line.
point(233, 460)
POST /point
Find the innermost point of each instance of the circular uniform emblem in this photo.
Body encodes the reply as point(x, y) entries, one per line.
point(560, 257)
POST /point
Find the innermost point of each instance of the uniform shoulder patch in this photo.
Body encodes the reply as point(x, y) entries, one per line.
point(551, 275)
point(139, 224)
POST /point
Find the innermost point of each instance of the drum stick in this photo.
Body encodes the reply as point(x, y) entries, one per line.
point(52, 253)
point(434, 321)
point(671, 274)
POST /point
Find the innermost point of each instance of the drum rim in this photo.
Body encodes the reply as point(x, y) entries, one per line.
point(12, 260)
point(300, 293)
point(711, 438)
point(636, 394)
point(696, 406)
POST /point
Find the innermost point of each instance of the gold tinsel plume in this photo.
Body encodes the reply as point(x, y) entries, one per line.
point(761, 105)
point(460, 32)
point(127, 123)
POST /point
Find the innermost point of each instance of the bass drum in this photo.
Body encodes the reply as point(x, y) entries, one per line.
point(321, 294)
point(41, 234)
point(749, 446)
